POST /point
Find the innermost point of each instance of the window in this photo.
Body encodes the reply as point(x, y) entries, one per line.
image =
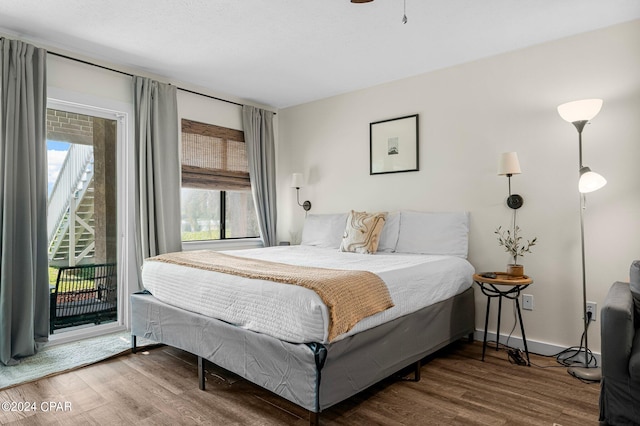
point(216, 190)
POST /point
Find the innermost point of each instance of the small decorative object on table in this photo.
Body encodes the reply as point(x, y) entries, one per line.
point(512, 244)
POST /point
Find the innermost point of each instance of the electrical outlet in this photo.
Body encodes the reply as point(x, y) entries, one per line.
point(593, 308)
point(527, 302)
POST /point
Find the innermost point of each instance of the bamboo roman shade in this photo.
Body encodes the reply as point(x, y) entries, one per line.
point(213, 157)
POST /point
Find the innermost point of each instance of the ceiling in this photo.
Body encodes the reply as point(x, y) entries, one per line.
point(282, 53)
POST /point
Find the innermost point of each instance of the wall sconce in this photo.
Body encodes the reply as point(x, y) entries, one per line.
point(297, 180)
point(509, 166)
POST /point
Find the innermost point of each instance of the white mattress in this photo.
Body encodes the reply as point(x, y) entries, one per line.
point(296, 314)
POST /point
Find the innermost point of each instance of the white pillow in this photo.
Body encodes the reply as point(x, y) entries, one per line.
point(434, 233)
point(389, 235)
point(324, 230)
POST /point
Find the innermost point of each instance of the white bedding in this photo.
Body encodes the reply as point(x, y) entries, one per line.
point(297, 314)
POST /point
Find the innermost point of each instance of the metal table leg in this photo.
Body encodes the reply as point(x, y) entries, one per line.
point(486, 323)
point(524, 338)
point(499, 315)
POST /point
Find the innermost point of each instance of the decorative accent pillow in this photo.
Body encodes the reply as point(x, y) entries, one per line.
point(362, 234)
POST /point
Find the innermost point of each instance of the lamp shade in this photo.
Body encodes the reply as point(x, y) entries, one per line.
point(297, 180)
point(590, 181)
point(583, 110)
point(509, 164)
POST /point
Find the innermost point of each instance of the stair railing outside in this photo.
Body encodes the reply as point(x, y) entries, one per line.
point(78, 159)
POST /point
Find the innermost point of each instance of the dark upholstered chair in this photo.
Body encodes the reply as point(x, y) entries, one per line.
point(620, 332)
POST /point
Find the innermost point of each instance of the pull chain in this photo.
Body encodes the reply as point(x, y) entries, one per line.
point(404, 17)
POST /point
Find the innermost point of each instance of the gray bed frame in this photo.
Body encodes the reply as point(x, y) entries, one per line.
point(312, 375)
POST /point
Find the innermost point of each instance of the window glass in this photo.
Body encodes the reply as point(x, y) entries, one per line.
point(241, 218)
point(200, 214)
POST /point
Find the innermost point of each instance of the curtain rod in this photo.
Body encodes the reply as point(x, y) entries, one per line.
point(131, 75)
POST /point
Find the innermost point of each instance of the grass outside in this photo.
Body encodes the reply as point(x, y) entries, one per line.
point(66, 286)
point(53, 275)
point(201, 235)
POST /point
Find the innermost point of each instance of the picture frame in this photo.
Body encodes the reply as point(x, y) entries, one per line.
point(393, 145)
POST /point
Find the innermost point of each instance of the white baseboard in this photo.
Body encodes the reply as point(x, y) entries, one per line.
point(535, 347)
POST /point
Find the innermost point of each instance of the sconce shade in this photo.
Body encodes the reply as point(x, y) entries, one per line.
point(590, 181)
point(297, 180)
point(509, 164)
point(583, 110)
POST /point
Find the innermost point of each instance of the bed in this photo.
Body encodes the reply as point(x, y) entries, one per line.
point(278, 335)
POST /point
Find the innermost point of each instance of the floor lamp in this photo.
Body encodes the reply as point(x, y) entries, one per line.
point(579, 113)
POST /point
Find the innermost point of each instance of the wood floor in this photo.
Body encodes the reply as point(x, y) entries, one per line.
point(160, 387)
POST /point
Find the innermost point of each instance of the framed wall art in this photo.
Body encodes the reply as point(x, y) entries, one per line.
point(394, 145)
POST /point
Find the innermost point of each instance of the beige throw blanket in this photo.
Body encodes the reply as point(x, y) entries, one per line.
point(349, 296)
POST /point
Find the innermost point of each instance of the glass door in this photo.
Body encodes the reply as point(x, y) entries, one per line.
point(82, 219)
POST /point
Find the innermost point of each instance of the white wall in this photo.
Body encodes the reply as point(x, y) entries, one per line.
point(469, 114)
point(205, 110)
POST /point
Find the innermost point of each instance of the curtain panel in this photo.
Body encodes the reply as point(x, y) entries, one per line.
point(258, 135)
point(24, 277)
point(157, 163)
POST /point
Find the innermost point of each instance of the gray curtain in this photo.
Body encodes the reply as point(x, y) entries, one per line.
point(24, 277)
point(157, 165)
point(258, 135)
